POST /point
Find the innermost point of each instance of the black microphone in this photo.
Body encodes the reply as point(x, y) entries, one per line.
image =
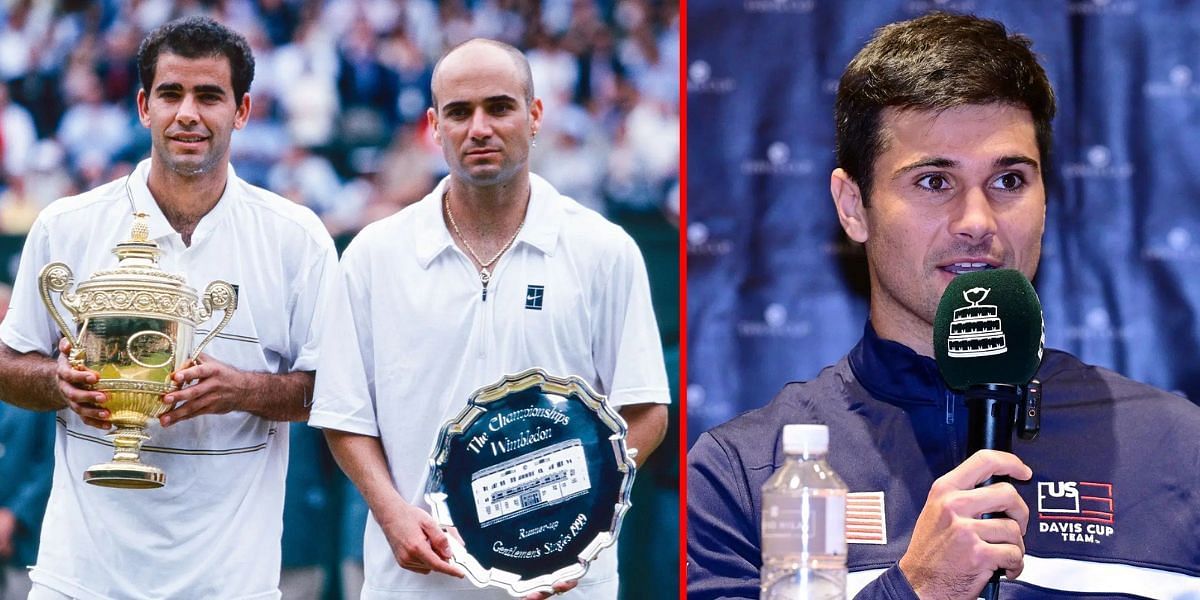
point(988, 337)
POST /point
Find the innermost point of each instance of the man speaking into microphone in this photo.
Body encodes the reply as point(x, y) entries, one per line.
point(943, 133)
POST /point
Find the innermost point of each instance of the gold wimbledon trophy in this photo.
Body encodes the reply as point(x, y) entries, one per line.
point(136, 327)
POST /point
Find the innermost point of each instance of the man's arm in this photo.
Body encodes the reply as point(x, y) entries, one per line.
point(34, 381)
point(647, 427)
point(417, 542)
point(28, 380)
point(723, 556)
point(221, 388)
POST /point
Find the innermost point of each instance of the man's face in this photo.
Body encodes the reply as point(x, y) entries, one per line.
point(191, 113)
point(482, 120)
point(954, 191)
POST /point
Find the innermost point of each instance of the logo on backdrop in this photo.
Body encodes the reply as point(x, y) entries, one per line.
point(1178, 246)
point(1103, 7)
point(923, 6)
point(1081, 512)
point(1180, 83)
point(1098, 163)
point(1097, 325)
point(701, 80)
point(779, 6)
point(701, 242)
point(778, 161)
point(976, 330)
point(774, 323)
point(708, 410)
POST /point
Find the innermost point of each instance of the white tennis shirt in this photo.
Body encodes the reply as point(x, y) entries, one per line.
point(214, 530)
point(408, 337)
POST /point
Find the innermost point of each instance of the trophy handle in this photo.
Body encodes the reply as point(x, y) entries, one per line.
point(57, 277)
point(218, 295)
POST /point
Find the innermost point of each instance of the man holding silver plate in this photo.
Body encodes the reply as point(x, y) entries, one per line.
point(213, 530)
point(476, 327)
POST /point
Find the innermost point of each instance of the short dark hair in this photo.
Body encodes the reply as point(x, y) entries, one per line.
point(935, 62)
point(513, 52)
point(198, 37)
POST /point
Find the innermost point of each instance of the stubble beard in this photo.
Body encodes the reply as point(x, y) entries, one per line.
point(188, 168)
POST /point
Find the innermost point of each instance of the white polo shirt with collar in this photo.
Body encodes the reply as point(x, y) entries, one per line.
point(409, 336)
point(214, 530)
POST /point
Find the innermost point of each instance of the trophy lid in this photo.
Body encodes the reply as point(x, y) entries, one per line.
point(138, 285)
point(139, 249)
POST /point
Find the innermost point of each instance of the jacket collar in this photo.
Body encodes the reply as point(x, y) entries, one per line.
point(892, 372)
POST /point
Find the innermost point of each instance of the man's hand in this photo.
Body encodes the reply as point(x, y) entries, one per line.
point(73, 387)
point(559, 588)
point(417, 542)
point(953, 551)
point(8, 530)
point(218, 389)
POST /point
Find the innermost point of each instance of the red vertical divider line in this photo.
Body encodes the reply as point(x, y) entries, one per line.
point(683, 313)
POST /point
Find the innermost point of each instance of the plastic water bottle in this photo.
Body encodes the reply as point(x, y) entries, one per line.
point(804, 522)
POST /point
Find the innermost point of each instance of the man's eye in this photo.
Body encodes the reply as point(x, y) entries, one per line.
point(1009, 181)
point(934, 181)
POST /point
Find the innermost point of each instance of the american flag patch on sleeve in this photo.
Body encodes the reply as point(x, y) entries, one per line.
point(866, 522)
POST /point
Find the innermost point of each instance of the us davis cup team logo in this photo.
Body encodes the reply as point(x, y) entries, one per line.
point(976, 330)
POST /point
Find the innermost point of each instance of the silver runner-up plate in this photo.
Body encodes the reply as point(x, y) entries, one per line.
point(535, 475)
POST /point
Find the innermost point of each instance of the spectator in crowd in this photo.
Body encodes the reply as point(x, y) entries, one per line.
point(17, 135)
point(26, 461)
point(310, 517)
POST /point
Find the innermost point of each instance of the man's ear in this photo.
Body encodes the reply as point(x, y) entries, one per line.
point(431, 117)
point(847, 199)
point(143, 107)
point(242, 114)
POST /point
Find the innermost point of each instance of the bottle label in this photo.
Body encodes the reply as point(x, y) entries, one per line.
point(804, 525)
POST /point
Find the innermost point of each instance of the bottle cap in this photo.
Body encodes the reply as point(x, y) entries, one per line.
point(805, 439)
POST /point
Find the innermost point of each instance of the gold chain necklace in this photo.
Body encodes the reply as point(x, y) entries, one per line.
point(485, 273)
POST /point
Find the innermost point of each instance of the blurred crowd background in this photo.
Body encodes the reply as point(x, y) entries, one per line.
point(338, 124)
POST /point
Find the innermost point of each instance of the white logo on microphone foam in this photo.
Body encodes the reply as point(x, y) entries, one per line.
point(976, 330)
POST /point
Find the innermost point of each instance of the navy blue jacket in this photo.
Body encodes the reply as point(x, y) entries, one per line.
point(1114, 500)
point(26, 466)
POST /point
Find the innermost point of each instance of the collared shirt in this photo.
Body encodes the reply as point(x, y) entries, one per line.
point(410, 336)
point(213, 531)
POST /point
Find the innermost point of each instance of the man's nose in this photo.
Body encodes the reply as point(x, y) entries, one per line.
point(975, 220)
point(481, 125)
point(187, 113)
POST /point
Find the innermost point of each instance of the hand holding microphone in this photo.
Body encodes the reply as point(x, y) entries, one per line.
point(988, 339)
point(953, 553)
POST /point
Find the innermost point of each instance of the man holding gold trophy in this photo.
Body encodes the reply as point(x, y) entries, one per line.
point(490, 276)
point(219, 443)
